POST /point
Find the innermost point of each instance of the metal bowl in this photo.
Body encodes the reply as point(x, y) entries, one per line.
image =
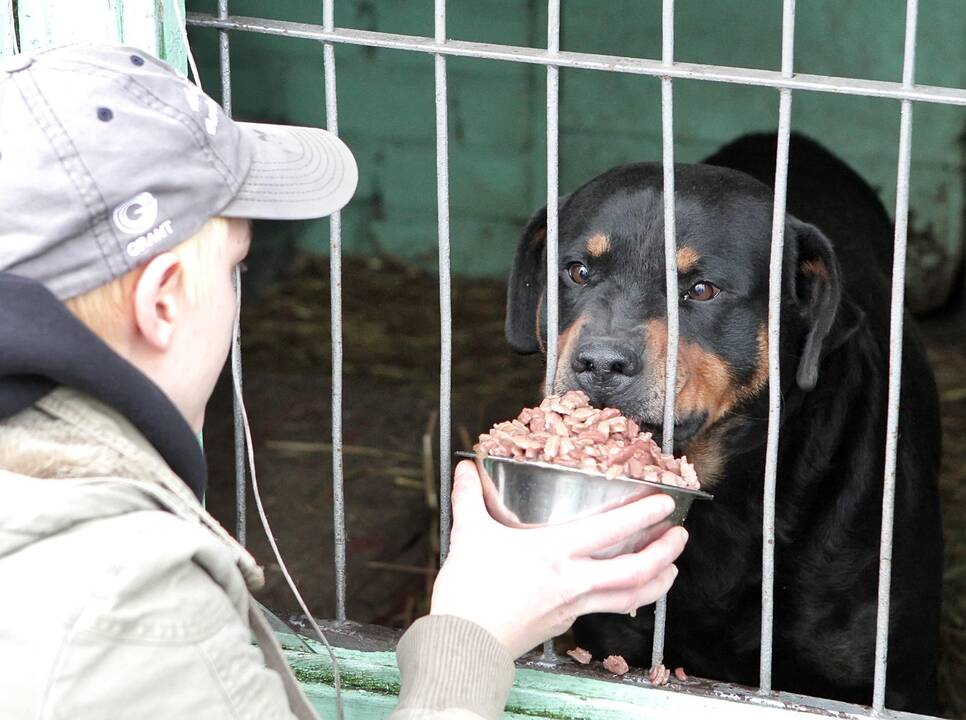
point(527, 494)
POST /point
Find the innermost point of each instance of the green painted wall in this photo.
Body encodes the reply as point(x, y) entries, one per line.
point(497, 125)
point(37, 24)
point(497, 121)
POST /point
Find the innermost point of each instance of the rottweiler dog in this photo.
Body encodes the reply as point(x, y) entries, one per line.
point(834, 378)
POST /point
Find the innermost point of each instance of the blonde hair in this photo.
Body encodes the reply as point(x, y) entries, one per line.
point(107, 309)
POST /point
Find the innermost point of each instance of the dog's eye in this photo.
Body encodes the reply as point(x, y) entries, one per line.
point(702, 291)
point(578, 273)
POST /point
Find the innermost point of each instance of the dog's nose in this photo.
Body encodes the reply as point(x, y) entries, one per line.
point(605, 363)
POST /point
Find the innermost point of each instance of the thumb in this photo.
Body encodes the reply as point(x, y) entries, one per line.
point(468, 507)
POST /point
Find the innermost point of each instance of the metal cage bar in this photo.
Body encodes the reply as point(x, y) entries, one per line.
point(591, 61)
point(445, 296)
point(666, 69)
point(670, 280)
point(553, 192)
point(8, 29)
point(895, 361)
point(335, 282)
point(241, 471)
point(553, 179)
point(774, 369)
point(224, 59)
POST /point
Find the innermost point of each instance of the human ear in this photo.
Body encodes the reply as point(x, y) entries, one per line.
point(158, 297)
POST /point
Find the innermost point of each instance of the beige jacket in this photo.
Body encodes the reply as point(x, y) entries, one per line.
point(120, 597)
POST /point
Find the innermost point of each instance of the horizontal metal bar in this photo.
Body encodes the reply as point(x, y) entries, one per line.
point(589, 61)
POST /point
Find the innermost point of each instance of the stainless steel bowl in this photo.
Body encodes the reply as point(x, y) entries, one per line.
point(534, 494)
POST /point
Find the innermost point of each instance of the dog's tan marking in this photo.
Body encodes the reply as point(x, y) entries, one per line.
point(687, 259)
point(537, 325)
point(704, 382)
point(565, 349)
point(816, 268)
point(760, 378)
point(598, 244)
point(706, 454)
point(539, 235)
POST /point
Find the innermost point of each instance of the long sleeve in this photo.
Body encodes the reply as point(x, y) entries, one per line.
point(450, 667)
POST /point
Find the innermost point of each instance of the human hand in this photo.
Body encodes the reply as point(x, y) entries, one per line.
point(526, 586)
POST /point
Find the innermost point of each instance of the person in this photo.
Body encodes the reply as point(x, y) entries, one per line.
point(125, 198)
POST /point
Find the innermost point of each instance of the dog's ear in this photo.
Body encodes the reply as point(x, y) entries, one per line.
point(818, 294)
point(525, 311)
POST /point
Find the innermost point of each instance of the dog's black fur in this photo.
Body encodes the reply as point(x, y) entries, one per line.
point(834, 370)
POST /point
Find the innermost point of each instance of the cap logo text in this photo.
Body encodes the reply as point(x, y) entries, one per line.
point(211, 122)
point(144, 243)
point(194, 97)
point(137, 214)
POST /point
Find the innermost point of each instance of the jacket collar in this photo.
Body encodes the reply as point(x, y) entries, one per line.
point(107, 466)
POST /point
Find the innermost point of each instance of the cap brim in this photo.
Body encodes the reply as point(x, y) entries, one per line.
point(297, 173)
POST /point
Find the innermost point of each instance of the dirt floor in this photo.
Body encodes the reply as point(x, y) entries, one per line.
point(391, 398)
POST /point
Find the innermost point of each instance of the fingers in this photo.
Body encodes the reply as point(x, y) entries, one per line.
point(582, 537)
point(468, 507)
point(624, 601)
point(635, 570)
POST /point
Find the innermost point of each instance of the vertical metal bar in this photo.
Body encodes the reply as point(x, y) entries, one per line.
point(335, 281)
point(895, 363)
point(224, 59)
point(553, 182)
point(553, 179)
point(445, 297)
point(774, 374)
point(670, 279)
point(241, 510)
point(8, 30)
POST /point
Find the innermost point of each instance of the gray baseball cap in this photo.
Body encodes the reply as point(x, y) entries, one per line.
point(108, 157)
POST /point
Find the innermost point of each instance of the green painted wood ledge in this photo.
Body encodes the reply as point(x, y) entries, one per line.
point(370, 687)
